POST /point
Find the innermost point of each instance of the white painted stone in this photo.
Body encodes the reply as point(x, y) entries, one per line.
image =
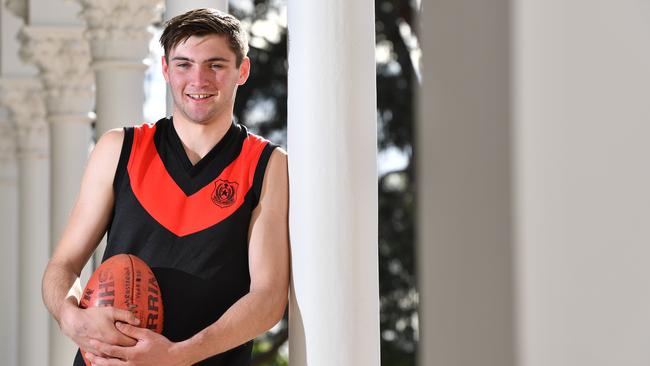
point(119, 36)
point(120, 19)
point(63, 59)
point(582, 181)
point(10, 63)
point(177, 7)
point(34, 223)
point(464, 194)
point(17, 7)
point(52, 13)
point(9, 239)
point(119, 42)
point(334, 308)
point(62, 56)
point(533, 198)
point(23, 97)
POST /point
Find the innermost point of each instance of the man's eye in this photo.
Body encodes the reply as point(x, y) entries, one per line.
point(183, 65)
point(216, 66)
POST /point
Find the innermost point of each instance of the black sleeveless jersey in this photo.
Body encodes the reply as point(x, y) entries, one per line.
point(189, 223)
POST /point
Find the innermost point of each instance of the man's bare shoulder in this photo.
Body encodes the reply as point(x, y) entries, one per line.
point(275, 186)
point(105, 157)
point(279, 157)
point(111, 141)
point(278, 165)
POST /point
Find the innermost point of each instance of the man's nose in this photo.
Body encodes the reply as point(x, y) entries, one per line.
point(201, 76)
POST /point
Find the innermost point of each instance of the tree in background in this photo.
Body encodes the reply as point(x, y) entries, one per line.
point(262, 106)
point(397, 53)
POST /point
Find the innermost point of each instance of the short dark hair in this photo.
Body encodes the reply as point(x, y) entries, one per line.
point(203, 22)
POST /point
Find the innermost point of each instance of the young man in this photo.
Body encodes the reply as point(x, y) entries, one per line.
point(199, 199)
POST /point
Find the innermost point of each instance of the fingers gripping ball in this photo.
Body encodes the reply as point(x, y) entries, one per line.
point(125, 282)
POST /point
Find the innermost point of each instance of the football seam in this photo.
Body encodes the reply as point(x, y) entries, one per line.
point(133, 282)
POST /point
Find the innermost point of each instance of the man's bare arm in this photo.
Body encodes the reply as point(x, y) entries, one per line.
point(85, 228)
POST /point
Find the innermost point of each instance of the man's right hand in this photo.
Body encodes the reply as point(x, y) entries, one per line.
point(82, 325)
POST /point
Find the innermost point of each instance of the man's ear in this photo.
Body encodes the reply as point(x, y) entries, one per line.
point(165, 68)
point(244, 71)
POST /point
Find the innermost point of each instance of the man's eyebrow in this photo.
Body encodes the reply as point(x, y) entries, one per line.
point(211, 59)
point(218, 58)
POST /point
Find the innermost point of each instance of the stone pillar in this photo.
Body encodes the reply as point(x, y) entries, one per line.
point(332, 139)
point(581, 137)
point(63, 58)
point(10, 66)
point(533, 186)
point(8, 237)
point(464, 206)
point(24, 98)
point(177, 7)
point(119, 44)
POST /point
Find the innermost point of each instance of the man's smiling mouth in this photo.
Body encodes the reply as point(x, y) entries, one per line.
point(199, 96)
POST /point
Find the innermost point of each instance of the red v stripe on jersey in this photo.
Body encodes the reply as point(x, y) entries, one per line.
point(161, 197)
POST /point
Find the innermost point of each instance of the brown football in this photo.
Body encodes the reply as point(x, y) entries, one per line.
point(126, 282)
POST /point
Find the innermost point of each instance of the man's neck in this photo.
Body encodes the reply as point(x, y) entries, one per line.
point(199, 139)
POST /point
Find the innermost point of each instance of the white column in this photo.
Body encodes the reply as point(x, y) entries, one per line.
point(10, 65)
point(8, 238)
point(119, 43)
point(334, 308)
point(63, 58)
point(24, 98)
point(582, 180)
point(177, 7)
point(533, 183)
point(464, 192)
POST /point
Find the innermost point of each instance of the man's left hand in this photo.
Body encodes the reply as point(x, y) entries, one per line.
point(151, 349)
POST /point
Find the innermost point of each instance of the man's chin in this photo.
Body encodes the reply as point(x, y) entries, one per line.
point(201, 119)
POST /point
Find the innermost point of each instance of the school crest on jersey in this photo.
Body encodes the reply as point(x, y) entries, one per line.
point(225, 193)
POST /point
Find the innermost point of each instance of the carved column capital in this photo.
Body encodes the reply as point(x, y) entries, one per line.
point(18, 8)
point(24, 99)
point(63, 57)
point(118, 29)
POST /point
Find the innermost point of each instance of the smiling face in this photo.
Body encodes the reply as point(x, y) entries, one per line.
point(203, 77)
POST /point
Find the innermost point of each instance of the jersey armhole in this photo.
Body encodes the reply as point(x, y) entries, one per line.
point(258, 179)
point(124, 159)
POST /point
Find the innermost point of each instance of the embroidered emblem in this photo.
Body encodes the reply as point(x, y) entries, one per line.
point(225, 193)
